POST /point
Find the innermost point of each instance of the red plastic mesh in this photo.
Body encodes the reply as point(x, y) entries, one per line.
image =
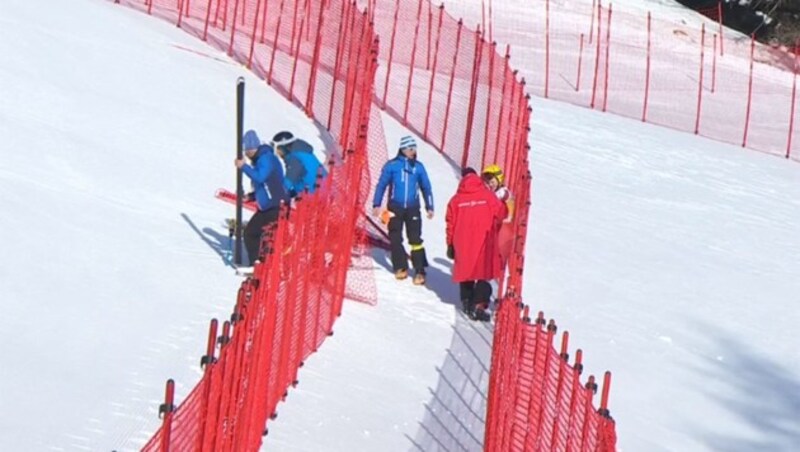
point(443, 81)
point(536, 402)
point(321, 55)
point(614, 72)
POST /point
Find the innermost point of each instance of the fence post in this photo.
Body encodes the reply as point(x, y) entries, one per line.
point(608, 57)
point(391, 53)
point(493, 50)
point(714, 66)
point(597, 54)
point(224, 16)
point(603, 410)
point(647, 69)
point(233, 27)
point(253, 38)
point(433, 73)
point(504, 106)
point(452, 79)
point(413, 62)
point(476, 69)
point(515, 114)
point(721, 39)
point(563, 363)
point(700, 80)
point(180, 13)
point(295, 34)
point(591, 388)
point(264, 17)
point(430, 30)
point(296, 59)
point(749, 90)
point(206, 363)
point(343, 31)
point(166, 409)
point(491, 35)
point(312, 79)
point(794, 96)
point(580, 63)
point(208, 18)
point(546, 49)
point(275, 44)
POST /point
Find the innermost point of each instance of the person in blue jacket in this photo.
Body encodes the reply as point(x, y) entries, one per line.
point(302, 166)
point(266, 176)
point(405, 177)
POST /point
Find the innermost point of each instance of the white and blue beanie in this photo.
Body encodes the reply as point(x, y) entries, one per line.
point(250, 140)
point(407, 142)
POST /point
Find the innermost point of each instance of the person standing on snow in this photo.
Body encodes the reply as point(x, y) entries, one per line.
point(302, 165)
point(494, 178)
point(473, 219)
point(405, 177)
point(266, 175)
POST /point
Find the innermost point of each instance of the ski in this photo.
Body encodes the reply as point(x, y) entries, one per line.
point(230, 198)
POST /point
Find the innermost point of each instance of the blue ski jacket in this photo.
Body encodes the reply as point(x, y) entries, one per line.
point(301, 168)
point(406, 179)
point(266, 175)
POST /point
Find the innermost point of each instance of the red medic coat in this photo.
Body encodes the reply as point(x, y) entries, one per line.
point(473, 218)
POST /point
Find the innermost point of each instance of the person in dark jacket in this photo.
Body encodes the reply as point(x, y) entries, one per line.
point(473, 219)
point(405, 177)
point(302, 165)
point(266, 176)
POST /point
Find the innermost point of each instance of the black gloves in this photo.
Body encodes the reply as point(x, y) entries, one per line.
point(451, 252)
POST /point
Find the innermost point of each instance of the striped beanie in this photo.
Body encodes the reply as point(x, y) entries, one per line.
point(407, 142)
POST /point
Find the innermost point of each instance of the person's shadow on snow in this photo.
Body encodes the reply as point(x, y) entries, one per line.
point(437, 280)
point(220, 243)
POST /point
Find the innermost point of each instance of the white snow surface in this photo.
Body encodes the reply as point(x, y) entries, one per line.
point(672, 260)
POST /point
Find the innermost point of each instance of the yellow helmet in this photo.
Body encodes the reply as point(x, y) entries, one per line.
point(495, 171)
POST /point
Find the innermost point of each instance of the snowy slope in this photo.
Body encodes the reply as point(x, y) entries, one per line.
point(671, 260)
point(114, 137)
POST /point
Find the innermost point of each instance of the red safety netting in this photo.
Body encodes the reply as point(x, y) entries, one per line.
point(694, 76)
point(536, 401)
point(446, 83)
point(323, 56)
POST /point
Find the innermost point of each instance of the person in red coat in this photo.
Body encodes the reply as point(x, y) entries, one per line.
point(474, 215)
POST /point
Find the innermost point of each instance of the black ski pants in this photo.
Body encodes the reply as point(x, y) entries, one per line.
point(412, 219)
point(256, 228)
point(473, 292)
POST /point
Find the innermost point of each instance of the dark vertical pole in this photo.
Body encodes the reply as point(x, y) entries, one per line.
point(597, 54)
point(647, 70)
point(720, 19)
point(237, 250)
point(166, 410)
point(749, 90)
point(794, 99)
point(547, 49)
point(411, 65)
point(391, 53)
point(608, 57)
point(433, 73)
point(700, 79)
point(476, 70)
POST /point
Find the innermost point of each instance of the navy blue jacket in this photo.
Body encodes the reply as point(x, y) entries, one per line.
point(406, 178)
point(301, 168)
point(266, 175)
